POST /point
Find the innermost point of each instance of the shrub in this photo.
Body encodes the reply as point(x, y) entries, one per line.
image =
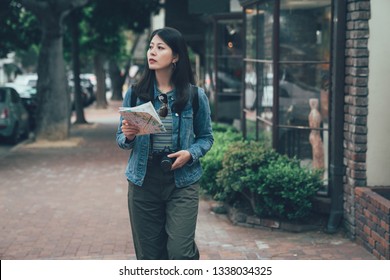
point(224, 135)
point(274, 185)
point(238, 178)
point(222, 127)
point(286, 189)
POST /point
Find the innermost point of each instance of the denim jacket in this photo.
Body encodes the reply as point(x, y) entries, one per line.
point(195, 136)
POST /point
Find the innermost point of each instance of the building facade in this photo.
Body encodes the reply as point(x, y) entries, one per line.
point(310, 79)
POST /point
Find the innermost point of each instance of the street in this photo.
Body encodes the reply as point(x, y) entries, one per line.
point(68, 200)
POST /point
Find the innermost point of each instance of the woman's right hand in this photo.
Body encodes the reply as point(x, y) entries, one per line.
point(129, 130)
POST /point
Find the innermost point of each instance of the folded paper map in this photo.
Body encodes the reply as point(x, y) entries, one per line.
point(145, 117)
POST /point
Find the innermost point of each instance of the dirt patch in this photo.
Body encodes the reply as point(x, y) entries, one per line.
point(68, 143)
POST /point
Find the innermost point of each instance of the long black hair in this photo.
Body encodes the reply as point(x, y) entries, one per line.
point(182, 75)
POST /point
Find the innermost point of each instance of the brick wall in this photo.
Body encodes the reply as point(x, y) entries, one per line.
point(355, 106)
point(373, 222)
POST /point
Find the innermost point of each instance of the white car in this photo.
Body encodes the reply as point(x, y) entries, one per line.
point(14, 118)
point(27, 80)
point(294, 99)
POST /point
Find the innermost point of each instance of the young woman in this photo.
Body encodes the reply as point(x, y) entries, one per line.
point(163, 169)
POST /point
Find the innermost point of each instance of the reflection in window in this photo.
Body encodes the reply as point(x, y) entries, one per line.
point(258, 71)
point(302, 67)
point(229, 69)
point(305, 30)
point(223, 73)
point(250, 35)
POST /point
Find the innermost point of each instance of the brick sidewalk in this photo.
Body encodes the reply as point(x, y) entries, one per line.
point(69, 201)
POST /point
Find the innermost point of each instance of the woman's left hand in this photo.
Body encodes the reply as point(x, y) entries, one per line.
point(182, 157)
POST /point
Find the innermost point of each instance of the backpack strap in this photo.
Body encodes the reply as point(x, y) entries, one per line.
point(133, 101)
point(195, 100)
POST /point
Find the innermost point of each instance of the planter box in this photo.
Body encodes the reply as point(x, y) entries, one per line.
point(372, 217)
point(239, 217)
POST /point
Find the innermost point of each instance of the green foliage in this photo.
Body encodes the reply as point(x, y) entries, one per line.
point(286, 189)
point(224, 136)
point(103, 26)
point(19, 29)
point(274, 185)
point(105, 22)
point(261, 135)
point(222, 127)
point(239, 173)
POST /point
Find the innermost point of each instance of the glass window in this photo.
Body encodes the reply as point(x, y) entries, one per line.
point(14, 96)
point(2, 94)
point(258, 70)
point(223, 67)
point(229, 69)
point(265, 29)
point(250, 35)
point(305, 28)
point(304, 53)
point(303, 66)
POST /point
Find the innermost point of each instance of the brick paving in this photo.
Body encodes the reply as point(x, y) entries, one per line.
point(69, 201)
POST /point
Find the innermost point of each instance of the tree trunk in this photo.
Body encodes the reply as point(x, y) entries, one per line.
point(54, 110)
point(79, 103)
point(53, 116)
point(117, 79)
point(101, 100)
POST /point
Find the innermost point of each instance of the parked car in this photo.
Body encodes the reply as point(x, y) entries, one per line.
point(87, 91)
point(294, 98)
point(92, 78)
point(229, 83)
point(14, 118)
point(27, 80)
point(28, 94)
point(85, 95)
point(294, 102)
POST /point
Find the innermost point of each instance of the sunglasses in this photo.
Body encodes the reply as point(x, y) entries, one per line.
point(163, 111)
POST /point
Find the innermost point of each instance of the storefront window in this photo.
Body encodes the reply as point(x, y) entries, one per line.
point(223, 78)
point(258, 71)
point(304, 58)
point(265, 29)
point(299, 61)
point(251, 31)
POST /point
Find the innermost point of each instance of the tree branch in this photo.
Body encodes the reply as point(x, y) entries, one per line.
point(66, 5)
point(39, 8)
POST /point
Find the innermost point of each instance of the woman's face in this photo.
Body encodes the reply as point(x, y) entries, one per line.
point(160, 55)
